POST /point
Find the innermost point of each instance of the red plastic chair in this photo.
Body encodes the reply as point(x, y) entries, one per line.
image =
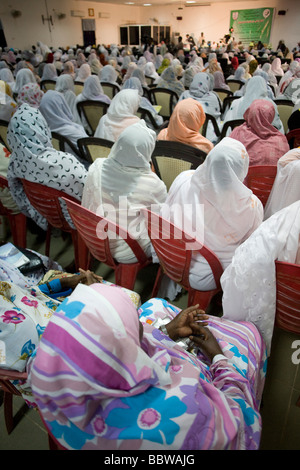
point(293, 138)
point(260, 180)
point(17, 222)
point(88, 226)
point(6, 376)
point(287, 315)
point(46, 201)
point(171, 246)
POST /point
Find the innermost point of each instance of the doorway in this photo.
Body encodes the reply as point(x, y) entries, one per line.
point(89, 33)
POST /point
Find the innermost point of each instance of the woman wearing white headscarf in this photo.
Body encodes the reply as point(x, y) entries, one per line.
point(7, 76)
point(286, 188)
point(83, 73)
point(128, 164)
point(130, 69)
point(256, 88)
point(34, 158)
point(92, 91)
point(214, 205)
point(276, 67)
point(200, 91)
point(292, 73)
point(272, 78)
point(49, 72)
point(168, 79)
point(65, 86)
point(120, 114)
point(60, 118)
point(292, 91)
point(135, 84)
point(23, 77)
point(68, 69)
point(108, 75)
point(249, 282)
point(150, 71)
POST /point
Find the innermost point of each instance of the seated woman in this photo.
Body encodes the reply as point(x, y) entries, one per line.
point(34, 159)
point(200, 90)
point(7, 103)
point(23, 77)
point(120, 114)
point(134, 83)
point(216, 206)
point(108, 75)
point(60, 118)
point(263, 142)
point(65, 86)
point(256, 88)
point(220, 81)
point(30, 94)
point(92, 90)
point(129, 164)
point(249, 283)
point(185, 124)
point(127, 384)
point(168, 80)
point(49, 72)
point(286, 189)
point(83, 73)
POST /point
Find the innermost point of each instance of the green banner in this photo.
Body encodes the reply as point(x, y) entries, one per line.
point(252, 25)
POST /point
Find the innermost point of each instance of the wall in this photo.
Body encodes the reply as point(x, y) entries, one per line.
point(213, 20)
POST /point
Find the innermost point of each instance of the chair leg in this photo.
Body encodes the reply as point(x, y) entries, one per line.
point(157, 282)
point(202, 298)
point(125, 275)
point(18, 227)
point(81, 252)
point(8, 411)
point(48, 239)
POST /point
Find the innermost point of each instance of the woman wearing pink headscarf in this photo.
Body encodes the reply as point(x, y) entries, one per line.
point(264, 143)
point(185, 122)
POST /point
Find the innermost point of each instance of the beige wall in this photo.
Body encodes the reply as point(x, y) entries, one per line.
point(213, 20)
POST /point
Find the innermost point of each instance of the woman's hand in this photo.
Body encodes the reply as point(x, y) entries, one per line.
point(183, 325)
point(206, 342)
point(85, 277)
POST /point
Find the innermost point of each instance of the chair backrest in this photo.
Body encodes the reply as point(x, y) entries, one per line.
point(6, 378)
point(230, 125)
point(93, 230)
point(78, 87)
point(222, 93)
point(3, 133)
point(164, 98)
point(260, 180)
point(293, 138)
point(143, 113)
point(149, 80)
point(175, 248)
point(46, 201)
point(288, 296)
point(212, 119)
point(48, 85)
point(110, 89)
point(60, 142)
point(171, 158)
point(92, 111)
point(234, 85)
point(285, 108)
point(227, 102)
point(94, 147)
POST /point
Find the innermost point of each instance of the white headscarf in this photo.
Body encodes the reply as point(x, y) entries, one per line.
point(23, 77)
point(276, 67)
point(108, 74)
point(249, 283)
point(83, 73)
point(230, 210)
point(49, 72)
point(120, 114)
point(129, 164)
point(34, 158)
point(59, 116)
point(65, 86)
point(286, 187)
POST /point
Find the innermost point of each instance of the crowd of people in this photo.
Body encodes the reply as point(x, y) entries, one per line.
point(105, 371)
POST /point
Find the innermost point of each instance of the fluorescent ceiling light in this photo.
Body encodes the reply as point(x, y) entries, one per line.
point(147, 4)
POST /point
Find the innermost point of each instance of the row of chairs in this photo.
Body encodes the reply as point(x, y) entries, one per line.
point(169, 243)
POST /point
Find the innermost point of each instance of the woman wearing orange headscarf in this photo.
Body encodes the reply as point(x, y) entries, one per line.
point(185, 123)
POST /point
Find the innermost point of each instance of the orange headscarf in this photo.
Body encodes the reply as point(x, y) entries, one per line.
point(184, 125)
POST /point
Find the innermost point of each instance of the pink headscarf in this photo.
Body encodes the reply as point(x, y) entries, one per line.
point(184, 125)
point(264, 143)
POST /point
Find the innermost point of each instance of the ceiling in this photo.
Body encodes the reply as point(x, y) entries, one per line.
point(182, 3)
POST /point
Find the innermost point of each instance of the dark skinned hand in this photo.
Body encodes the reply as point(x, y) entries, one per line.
point(182, 325)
